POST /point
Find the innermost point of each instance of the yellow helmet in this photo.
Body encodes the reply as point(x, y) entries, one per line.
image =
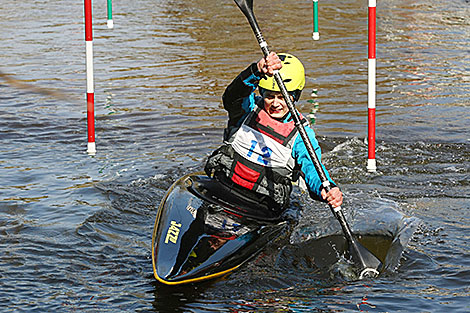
point(292, 73)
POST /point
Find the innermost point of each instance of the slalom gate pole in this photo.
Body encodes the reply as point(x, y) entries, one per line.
point(371, 163)
point(316, 34)
point(110, 14)
point(90, 95)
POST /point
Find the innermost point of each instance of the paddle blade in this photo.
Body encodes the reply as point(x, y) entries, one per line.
point(366, 262)
point(246, 6)
point(369, 265)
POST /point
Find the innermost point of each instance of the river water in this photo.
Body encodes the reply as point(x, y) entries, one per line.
point(75, 230)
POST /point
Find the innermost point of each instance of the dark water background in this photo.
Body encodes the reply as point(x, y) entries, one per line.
point(75, 230)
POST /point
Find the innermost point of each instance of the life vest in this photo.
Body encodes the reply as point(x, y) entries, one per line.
point(258, 156)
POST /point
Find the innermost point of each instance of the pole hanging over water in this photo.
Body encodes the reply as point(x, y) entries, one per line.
point(316, 34)
point(371, 163)
point(110, 14)
point(90, 95)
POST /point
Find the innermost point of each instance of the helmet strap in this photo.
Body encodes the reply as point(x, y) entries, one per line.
point(261, 91)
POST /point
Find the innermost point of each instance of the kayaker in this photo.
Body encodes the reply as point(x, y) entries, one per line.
point(263, 152)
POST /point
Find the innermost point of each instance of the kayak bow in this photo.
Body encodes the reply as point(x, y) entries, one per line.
point(201, 232)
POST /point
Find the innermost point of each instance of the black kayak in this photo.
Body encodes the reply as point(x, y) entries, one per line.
point(202, 231)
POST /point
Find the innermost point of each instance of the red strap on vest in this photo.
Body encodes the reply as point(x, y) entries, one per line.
point(245, 176)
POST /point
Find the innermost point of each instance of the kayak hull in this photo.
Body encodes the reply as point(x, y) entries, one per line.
point(201, 232)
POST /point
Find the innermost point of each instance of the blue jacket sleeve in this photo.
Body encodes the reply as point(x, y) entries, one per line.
point(300, 154)
point(239, 97)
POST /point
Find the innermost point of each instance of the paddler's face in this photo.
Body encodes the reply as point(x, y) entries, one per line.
point(275, 104)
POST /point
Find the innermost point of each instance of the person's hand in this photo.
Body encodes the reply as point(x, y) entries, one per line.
point(334, 197)
point(269, 64)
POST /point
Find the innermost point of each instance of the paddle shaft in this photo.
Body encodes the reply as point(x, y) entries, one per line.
point(338, 212)
point(362, 257)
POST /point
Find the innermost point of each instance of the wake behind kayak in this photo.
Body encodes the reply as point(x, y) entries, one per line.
point(201, 231)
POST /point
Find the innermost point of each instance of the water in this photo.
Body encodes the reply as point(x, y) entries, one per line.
point(75, 230)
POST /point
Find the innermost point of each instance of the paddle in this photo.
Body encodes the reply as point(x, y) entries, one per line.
point(366, 262)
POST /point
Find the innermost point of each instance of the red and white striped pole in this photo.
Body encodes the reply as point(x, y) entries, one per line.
point(371, 164)
point(90, 93)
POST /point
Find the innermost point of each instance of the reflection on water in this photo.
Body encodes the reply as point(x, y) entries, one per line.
point(159, 76)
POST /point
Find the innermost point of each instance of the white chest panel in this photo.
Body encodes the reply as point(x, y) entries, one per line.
point(259, 148)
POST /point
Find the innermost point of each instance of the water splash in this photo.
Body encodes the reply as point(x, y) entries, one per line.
point(377, 224)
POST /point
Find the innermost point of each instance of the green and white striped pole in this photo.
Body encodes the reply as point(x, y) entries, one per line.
point(110, 14)
point(316, 34)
